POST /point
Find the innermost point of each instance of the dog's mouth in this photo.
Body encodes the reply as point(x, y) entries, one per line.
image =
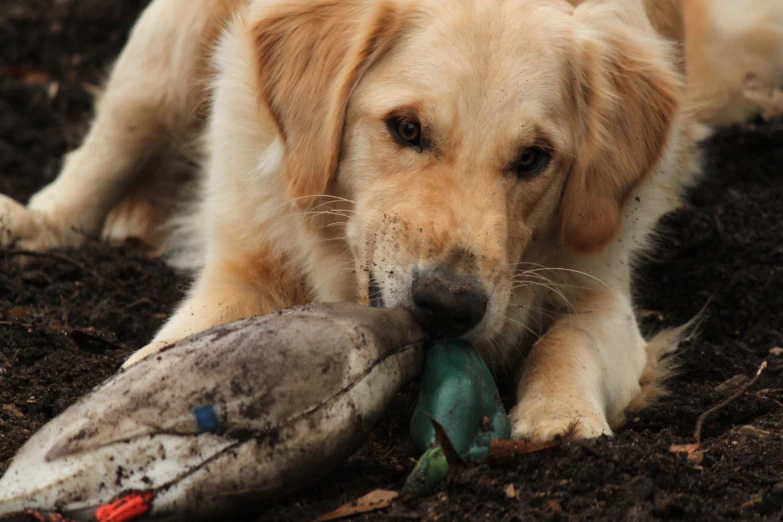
point(376, 298)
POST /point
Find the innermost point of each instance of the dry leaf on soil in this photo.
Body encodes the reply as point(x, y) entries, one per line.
point(377, 500)
point(695, 454)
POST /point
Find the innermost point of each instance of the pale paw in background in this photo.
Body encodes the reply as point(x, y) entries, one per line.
point(26, 229)
point(19, 227)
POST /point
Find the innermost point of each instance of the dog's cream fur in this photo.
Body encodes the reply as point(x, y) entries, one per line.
point(301, 193)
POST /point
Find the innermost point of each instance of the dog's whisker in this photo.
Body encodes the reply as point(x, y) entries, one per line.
point(499, 352)
point(324, 211)
point(314, 196)
point(523, 325)
point(290, 201)
point(337, 211)
point(540, 277)
point(334, 199)
point(348, 264)
point(552, 289)
point(543, 268)
point(314, 214)
point(511, 346)
point(520, 280)
point(539, 310)
point(342, 221)
point(309, 242)
point(550, 282)
point(336, 224)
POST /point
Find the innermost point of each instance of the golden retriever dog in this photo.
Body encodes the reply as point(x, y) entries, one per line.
point(495, 166)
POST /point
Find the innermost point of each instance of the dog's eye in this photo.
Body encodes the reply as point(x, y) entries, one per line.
point(532, 162)
point(405, 131)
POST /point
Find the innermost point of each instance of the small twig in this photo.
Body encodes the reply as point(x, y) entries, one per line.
point(740, 392)
point(144, 301)
point(47, 255)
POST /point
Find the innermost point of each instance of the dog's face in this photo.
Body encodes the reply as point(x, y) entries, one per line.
point(456, 148)
point(465, 131)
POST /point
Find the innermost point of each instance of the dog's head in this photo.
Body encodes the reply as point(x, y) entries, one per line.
point(464, 131)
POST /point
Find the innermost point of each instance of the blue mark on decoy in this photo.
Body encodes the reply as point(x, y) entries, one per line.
point(207, 418)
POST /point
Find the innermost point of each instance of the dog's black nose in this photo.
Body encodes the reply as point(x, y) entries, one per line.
point(447, 306)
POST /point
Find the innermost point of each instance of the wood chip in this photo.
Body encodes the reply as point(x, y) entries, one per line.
point(375, 501)
point(756, 433)
point(730, 385)
point(53, 90)
point(553, 506)
point(751, 503)
point(694, 453)
point(36, 78)
point(696, 458)
point(92, 89)
point(510, 490)
point(647, 314)
point(28, 75)
point(776, 351)
point(13, 410)
point(18, 313)
point(684, 448)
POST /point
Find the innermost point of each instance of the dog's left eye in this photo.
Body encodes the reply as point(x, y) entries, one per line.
point(407, 132)
point(532, 162)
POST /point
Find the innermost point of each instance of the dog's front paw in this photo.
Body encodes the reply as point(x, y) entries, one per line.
point(19, 227)
point(546, 420)
point(27, 229)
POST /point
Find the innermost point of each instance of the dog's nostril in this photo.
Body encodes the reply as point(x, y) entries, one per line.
point(448, 306)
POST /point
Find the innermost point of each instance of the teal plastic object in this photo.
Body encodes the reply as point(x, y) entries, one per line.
point(431, 469)
point(459, 392)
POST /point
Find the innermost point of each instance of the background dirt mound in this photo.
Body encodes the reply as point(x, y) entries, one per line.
point(69, 319)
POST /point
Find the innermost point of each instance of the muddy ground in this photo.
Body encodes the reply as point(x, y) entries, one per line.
point(67, 320)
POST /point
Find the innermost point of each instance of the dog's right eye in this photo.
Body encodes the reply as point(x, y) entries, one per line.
point(407, 132)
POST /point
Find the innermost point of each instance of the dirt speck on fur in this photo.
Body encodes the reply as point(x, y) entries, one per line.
point(724, 250)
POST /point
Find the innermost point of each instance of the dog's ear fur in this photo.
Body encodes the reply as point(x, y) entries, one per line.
point(628, 97)
point(311, 55)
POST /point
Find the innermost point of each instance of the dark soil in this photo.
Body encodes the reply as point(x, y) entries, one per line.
point(67, 320)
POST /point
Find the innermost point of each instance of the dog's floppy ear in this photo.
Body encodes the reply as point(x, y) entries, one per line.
point(628, 95)
point(311, 55)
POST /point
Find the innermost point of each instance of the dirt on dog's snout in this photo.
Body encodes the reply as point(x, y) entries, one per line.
point(68, 320)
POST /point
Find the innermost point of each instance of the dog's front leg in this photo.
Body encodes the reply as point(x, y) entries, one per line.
point(149, 102)
point(226, 290)
point(582, 374)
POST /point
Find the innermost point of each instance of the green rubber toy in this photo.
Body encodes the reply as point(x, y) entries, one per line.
point(459, 393)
